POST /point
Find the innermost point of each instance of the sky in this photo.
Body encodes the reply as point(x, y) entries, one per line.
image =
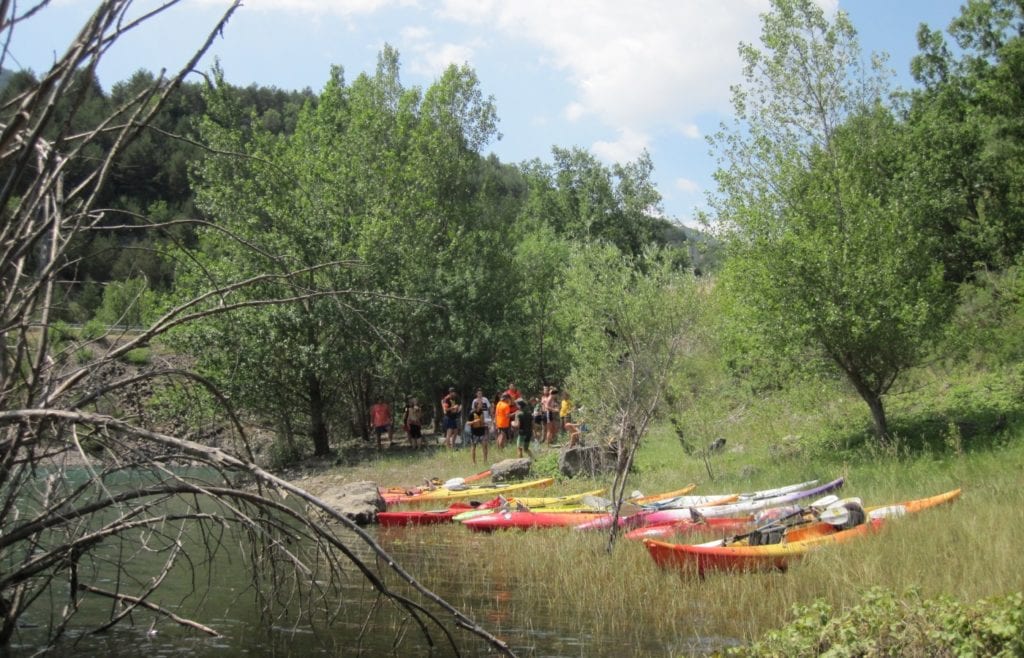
point(615, 77)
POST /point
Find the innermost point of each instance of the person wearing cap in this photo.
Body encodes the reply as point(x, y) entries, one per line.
point(522, 420)
point(452, 410)
point(503, 420)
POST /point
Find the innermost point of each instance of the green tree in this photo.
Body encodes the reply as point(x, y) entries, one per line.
point(634, 320)
point(363, 216)
point(584, 200)
point(827, 253)
point(968, 121)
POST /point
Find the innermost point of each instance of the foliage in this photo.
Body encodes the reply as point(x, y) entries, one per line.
point(634, 322)
point(127, 303)
point(828, 258)
point(968, 123)
point(989, 321)
point(586, 201)
point(372, 200)
point(887, 623)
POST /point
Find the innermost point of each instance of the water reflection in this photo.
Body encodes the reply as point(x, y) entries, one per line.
point(458, 565)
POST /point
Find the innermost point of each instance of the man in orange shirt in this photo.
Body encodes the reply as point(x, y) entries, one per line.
point(503, 420)
point(380, 420)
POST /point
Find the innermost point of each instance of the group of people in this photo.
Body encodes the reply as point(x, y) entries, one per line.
point(510, 419)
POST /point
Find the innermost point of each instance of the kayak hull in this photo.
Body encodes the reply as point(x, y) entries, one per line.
point(797, 542)
point(700, 558)
point(467, 491)
point(513, 520)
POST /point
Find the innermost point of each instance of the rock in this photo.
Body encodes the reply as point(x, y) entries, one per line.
point(359, 501)
point(587, 460)
point(717, 445)
point(511, 469)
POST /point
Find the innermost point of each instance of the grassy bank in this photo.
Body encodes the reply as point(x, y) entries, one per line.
point(953, 431)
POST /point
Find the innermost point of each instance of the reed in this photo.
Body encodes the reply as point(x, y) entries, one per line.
point(523, 584)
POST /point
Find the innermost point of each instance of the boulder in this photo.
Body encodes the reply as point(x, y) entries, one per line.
point(359, 501)
point(511, 469)
point(587, 460)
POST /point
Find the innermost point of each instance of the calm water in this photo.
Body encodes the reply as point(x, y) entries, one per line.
point(363, 623)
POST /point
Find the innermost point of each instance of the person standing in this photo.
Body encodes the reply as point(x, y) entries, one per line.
point(477, 429)
point(503, 420)
point(565, 411)
point(551, 409)
point(412, 421)
point(522, 421)
point(486, 406)
point(451, 408)
point(513, 393)
point(380, 420)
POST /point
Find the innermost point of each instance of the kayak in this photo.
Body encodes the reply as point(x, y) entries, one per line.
point(741, 524)
point(722, 499)
point(739, 508)
point(432, 517)
point(389, 493)
point(468, 491)
point(747, 504)
point(739, 555)
point(724, 526)
point(524, 520)
point(569, 503)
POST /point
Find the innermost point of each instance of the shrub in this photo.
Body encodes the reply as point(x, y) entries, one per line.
point(887, 624)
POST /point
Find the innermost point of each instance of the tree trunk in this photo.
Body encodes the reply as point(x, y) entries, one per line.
point(878, 419)
point(317, 426)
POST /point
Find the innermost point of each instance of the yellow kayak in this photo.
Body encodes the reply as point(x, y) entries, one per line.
point(469, 491)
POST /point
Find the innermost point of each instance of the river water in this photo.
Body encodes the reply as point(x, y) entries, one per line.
point(356, 621)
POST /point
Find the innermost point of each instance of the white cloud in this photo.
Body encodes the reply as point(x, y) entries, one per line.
point(690, 131)
point(431, 57)
point(574, 111)
point(687, 185)
point(634, 65)
point(626, 148)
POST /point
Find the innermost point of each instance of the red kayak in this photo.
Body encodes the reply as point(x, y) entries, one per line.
point(432, 517)
point(523, 520)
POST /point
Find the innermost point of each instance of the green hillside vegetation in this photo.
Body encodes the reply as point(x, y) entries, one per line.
point(854, 305)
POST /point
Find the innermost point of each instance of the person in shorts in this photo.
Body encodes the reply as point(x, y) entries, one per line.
point(451, 407)
point(412, 421)
point(503, 420)
point(477, 429)
point(522, 421)
point(380, 420)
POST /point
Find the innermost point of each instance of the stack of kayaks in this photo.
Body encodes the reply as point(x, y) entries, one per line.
point(462, 490)
point(530, 517)
point(742, 554)
point(461, 510)
point(720, 506)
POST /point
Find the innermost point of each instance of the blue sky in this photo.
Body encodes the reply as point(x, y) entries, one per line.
point(610, 76)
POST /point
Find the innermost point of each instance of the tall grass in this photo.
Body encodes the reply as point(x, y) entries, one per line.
point(622, 604)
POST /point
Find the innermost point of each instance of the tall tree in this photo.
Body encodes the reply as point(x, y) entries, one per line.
point(968, 121)
point(377, 180)
point(827, 252)
point(634, 321)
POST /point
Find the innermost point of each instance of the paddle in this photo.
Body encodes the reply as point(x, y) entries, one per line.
point(597, 502)
point(817, 507)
